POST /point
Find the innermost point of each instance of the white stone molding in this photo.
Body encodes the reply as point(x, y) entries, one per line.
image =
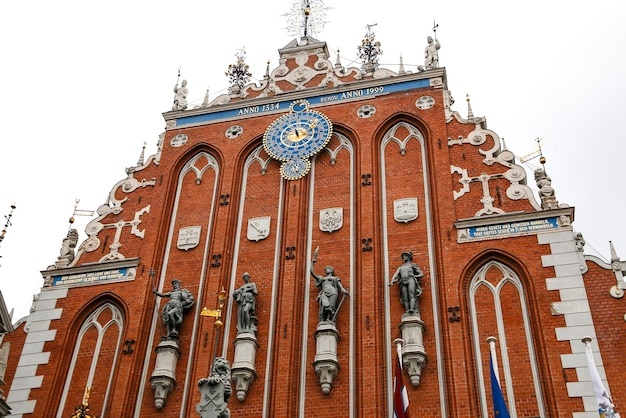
point(515, 174)
point(573, 305)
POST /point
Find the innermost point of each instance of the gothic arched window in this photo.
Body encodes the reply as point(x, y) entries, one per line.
point(499, 308)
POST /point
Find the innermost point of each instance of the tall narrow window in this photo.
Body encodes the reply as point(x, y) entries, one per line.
point(95, 354)
point(499, 308)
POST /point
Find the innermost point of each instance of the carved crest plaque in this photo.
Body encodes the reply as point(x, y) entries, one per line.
point(331, 219)
point(258, 228)
point(405, 210)
point(188, 237)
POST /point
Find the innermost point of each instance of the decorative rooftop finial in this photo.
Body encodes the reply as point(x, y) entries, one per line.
point(546, 192)
point(267, 71)
point(338, 62)
point(140, 161)
point(180, 100)
point(306, 18)
point(470, 113)
point(369, 50)
point(7, 224)
point(401, 71)
point(205, 102)
point(238, 72)
point(617, 291)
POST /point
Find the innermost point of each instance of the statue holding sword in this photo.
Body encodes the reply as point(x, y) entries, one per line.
point(330, 286)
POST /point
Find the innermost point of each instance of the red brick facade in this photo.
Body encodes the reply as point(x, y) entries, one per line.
point(474, 285)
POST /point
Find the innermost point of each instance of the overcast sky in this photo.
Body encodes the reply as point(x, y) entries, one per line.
point(84, 85)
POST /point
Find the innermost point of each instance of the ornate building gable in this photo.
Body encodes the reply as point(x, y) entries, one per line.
point(488, 179)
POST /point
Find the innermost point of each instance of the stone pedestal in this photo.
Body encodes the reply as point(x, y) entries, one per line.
point(326, 364)
point(413, 353)
point(243, 370)
point(163, 379)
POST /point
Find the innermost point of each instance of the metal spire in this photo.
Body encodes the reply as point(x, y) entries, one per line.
point(470, 113)
point(7, 224)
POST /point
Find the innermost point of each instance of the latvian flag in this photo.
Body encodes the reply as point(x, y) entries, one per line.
point(400, 396)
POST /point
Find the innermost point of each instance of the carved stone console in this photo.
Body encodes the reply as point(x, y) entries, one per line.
point(413, 353)
point(326, 364)
point(163, 379)
point(243, 370)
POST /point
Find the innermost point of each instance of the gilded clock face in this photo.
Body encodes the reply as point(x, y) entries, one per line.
point(298, 134)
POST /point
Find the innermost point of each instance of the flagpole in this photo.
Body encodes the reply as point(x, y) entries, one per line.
point(603, 399)
point(400, 395)
point(500, 409)
point(399, 342)
point(494, 358)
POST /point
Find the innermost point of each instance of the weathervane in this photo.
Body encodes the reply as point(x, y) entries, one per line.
point(79, 212)
point(307, 17)
point(535, 154)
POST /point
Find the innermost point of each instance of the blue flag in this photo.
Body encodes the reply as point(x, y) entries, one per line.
point(499, 406)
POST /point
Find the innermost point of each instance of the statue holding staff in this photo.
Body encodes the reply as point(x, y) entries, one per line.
point(180, 300)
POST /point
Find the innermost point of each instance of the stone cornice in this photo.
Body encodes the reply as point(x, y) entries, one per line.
point(92, 267)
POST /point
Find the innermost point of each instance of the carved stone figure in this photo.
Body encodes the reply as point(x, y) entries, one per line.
point(180, 101)
point(546, 192)
point(4, 359)
point(408, 277)
point(180, 300)
point(215, 391)
point(66, 254)
point(431, 53)
point(330, 286)
point(580, 242)
point(246, 297)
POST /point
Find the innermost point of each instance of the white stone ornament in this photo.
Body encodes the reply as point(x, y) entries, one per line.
point(405, 210)
point(188, 237)
point(258, 228)
point(425, 102)
point(331, 219)
point(234, 131)
point(178, 140)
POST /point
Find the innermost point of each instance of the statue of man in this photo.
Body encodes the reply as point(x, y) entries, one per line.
point(330, 286)
point(246, 297)
point(408, 276)
point(180, 101)
point(431, 53)
point(180, 300)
